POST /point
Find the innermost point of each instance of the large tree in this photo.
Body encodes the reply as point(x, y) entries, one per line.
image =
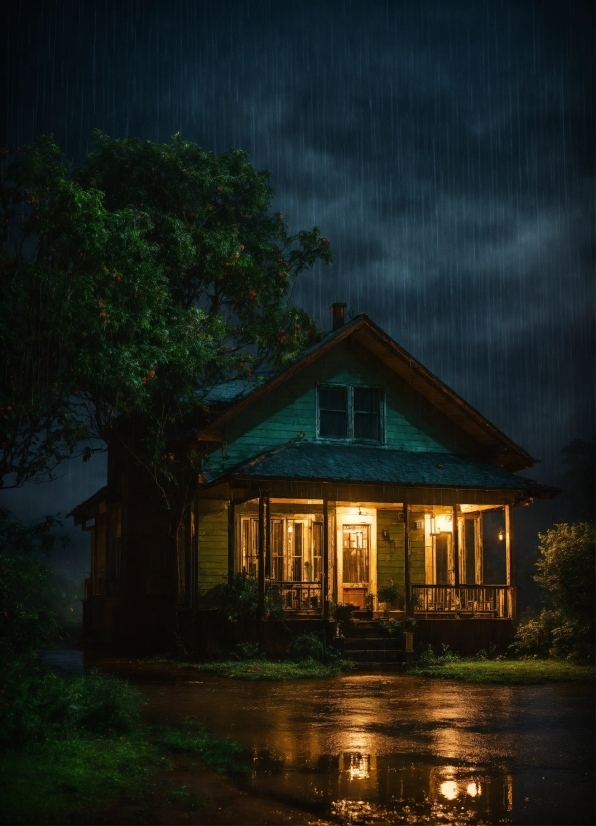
point(133, 283)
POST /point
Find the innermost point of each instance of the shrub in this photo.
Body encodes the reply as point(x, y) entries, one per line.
point(40, 707)
point(312, 647)
point(565, 628)
point(427, 658)
point(390, 628)
point(246, 651)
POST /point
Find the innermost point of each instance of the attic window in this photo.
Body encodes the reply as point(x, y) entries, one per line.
point(367, 413)
point(333, 412)
point(352, 413)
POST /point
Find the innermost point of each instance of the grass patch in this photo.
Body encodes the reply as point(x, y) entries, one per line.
point(507, 672)
point(221, 755)
point(57, 782)
point(51, 783)
point(265, 670)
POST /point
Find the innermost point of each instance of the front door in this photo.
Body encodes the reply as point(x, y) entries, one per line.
point(356, 563)
point(356, 554)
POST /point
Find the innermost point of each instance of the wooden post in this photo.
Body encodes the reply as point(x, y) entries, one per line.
point(509, 558)
point(456, 577)
point(231, 541)
point(261, 550)
point(194, 555)
point(325, 578)
point(408, 605)
point(267, 535)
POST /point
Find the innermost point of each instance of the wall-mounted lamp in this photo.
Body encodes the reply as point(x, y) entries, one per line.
point(501, 535)
point(433, 525)
point(385, 534)
point(359, 511)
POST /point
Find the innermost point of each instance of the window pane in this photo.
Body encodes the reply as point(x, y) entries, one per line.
point(333, 425)
point(367, 413)
point(366, 426)
point(333, 398)
point(366, 400)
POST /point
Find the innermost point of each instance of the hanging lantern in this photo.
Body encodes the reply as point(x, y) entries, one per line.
point(501, 535)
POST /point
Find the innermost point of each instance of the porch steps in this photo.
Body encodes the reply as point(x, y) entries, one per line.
point(372, 653)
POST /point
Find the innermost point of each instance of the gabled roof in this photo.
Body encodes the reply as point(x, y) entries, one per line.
point(502, 450)
point(309, 461)
point(85, 509)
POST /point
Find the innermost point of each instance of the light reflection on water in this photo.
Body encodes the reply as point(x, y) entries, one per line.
point(396, 749)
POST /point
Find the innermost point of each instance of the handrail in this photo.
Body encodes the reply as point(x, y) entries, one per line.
point(481, 601)
point(295, 597)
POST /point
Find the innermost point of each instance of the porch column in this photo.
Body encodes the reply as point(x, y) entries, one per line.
point(268, 536)
point(408, 600)
point(261, 566)
point(325, 578)
point(194, 554)
point(456, 544)
point(509, 560)
point(231, 540)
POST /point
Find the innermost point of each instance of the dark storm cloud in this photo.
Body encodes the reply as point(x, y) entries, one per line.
point(445, 149)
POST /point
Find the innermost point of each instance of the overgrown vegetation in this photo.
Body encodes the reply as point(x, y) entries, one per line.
point(502, 671)
point(260, 669)
point(67, 742)
point(565, 572)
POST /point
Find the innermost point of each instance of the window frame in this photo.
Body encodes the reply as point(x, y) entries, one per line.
point(350, 437)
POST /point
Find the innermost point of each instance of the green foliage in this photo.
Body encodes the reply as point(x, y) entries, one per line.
point(221, 755)
point(390, 627)
point(565, 628)
point(28, 597)
point(37, 708)
point(488, 653)
point(392, 595)
point(57, 782)
point(246, 651)
point(426, 658)
point(257, 670)
point(134, 284)
point(237, 599)
point(507, 672)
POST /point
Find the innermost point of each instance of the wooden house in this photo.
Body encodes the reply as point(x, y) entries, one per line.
point(351, 470)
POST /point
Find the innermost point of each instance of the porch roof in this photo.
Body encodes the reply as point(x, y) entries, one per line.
point(378, 465)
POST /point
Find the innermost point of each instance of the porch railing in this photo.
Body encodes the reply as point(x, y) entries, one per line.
point(481, 601)
point(294, 597)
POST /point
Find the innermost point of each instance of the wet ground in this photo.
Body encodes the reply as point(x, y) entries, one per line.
point(383, 749)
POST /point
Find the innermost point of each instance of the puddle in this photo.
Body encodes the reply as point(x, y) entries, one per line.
point(395, 749)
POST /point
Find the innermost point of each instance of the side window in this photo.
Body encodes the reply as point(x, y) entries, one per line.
point(367, 413)
point(333, 412)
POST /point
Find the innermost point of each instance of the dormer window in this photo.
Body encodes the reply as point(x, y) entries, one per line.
point(350, 413)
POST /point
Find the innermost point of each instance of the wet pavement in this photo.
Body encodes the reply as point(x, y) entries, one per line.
point(391, 749)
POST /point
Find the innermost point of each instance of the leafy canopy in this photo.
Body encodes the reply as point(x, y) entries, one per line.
point(135, 283)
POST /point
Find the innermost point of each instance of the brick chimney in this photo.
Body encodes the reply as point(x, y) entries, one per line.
point(338, 315)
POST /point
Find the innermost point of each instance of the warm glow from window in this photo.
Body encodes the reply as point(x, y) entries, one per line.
point(473, 790)
point(449, 789)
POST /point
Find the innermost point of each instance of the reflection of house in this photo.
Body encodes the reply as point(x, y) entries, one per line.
point(351, 469)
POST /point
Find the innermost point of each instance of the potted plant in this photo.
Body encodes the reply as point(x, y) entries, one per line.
point(390, 596)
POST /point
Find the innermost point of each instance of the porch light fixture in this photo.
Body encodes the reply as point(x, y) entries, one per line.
point(501, 535)
point(386, 534)
point(433, 525)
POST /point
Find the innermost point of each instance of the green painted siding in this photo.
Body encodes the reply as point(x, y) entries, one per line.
point(417, 567)
point(213, 543)
point(291, 410)
point(390, 552)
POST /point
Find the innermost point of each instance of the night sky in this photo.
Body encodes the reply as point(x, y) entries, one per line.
point(445, 149)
